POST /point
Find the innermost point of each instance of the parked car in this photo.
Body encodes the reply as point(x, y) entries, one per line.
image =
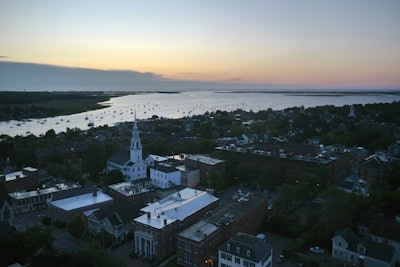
point(317, 250)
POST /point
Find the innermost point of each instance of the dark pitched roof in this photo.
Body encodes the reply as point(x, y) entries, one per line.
point(120, 157)
point(381, 226)
point(122, 213)
point(165, 168)
point(248, 247)
point(375, 250)
point(373, 163)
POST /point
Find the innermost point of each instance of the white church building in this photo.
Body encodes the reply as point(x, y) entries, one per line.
point(131, 162)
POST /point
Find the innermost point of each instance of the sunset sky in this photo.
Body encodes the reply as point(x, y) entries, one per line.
point(323, 44)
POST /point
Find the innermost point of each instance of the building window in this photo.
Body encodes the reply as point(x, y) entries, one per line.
point(223, 255)
point(228, 247)
point(237, 260)
point(248, 253)
point(245, 263)
point(340, 244)
point(228, 257)
point(187, 247)
point(188, 258)
point(238, 249)
point(252, 264)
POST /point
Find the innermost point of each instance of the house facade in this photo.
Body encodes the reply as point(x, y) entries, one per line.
point(245, 250)
point(165, 176)
point(115, 220)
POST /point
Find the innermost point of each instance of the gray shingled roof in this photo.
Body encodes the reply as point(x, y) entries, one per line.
point(123, 213)
point(120, 157)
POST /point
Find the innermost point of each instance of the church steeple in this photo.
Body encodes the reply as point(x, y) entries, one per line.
point(136, 145)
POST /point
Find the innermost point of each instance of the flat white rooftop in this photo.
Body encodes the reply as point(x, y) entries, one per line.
point(44, 191)
point(197, 231)
point(176, 206)
point(14, 175)
point(204, 159)
point(18, 174)
point(157, 158)
point(30, 169)
point(128, 189)
point(81, 201)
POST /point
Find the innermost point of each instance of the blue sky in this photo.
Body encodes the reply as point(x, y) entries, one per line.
point(322, 44)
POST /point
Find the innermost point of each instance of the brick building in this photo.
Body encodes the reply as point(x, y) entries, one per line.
point(64, 209)
point(198, 243)
point(129, 191)
point(24, 180)
point(157, 229)
point(205, 165)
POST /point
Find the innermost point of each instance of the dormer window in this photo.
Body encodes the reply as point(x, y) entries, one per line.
point(228, 247)
point(248, 253)
point(238, 250)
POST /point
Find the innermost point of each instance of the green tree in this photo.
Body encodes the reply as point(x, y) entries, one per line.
point(94, 160)
point(113, 177)
point(340, 210)
point(244, 173)
point(269, 177)
point(76, 227)
point(21, 246)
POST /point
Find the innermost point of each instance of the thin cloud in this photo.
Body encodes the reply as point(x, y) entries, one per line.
point(3, 57)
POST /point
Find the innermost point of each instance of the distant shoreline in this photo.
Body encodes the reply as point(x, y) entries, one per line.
point(20, 105)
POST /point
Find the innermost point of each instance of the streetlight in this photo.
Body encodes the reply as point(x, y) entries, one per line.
point(209, 262)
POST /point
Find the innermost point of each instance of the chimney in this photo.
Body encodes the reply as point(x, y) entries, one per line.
point(148, 216)
point(94, 191)
point(165, 221)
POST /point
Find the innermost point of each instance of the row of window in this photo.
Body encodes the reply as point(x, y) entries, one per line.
point(228, 247)
point(245, 263)
point(32, 200)
point(238, 260)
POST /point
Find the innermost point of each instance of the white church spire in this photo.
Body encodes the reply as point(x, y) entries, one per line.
point(136, 145)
